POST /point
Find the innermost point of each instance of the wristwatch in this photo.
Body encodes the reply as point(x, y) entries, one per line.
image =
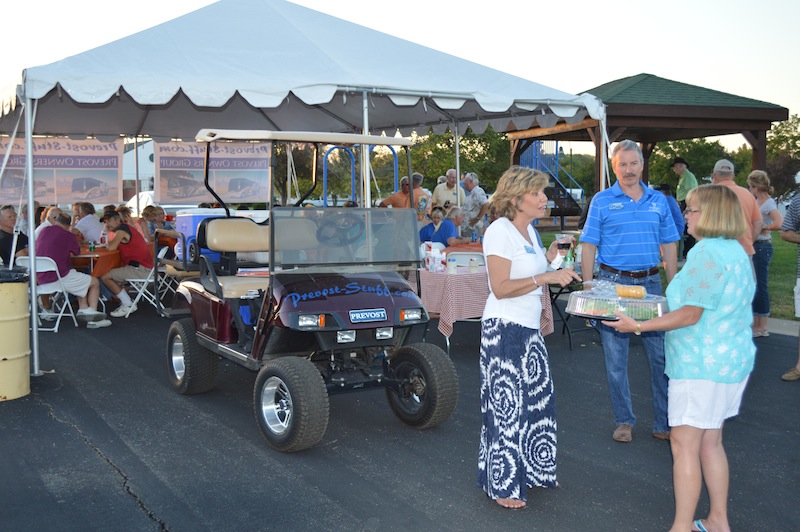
point(638, 331)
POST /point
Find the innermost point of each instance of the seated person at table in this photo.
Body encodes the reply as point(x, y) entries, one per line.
point(134, 254)
point(127, 217)
point(57, 242)
point(86, 226)
point(456, 215)
point(8, 219)
point(51, 213)
point(155, 217)
point(441, 230)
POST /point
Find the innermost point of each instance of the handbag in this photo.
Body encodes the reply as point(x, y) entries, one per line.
point(546, 327)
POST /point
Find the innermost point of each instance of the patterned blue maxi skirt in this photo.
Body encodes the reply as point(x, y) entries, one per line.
point(518, 412)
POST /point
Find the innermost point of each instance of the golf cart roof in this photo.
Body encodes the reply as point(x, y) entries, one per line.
point(210, 135)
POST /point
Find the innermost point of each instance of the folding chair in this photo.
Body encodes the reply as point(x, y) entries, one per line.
point(142, 286)
point(60, 298)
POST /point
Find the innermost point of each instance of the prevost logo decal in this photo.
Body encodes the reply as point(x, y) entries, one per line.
point(372, 314)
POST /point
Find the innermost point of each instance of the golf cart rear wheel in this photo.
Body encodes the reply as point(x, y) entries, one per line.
point(291, 404)
point(192, 368)
point(428, 385)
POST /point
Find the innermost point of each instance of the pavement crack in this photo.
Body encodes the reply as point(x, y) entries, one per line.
point(125, 480)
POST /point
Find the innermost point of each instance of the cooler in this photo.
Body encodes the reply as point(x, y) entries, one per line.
point(186, 222)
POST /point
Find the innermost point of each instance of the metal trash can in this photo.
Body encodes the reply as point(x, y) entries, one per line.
point(15, 348)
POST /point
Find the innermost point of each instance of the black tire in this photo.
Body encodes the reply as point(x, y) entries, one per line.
point(194, 253)
point(191, 367)
point(428, 385)
point(291, 404)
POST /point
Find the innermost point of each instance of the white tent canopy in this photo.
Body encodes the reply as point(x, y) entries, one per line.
point(271, 64)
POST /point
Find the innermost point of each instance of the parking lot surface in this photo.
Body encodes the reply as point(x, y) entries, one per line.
point(103, 443)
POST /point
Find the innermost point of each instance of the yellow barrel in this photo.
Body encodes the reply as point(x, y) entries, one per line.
point(15, 348)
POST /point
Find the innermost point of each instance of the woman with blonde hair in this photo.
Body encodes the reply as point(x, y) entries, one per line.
point(758, 182)
point(126, 215)
point(518, 413)
point(709, 351)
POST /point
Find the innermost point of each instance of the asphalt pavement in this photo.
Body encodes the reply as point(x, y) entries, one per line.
point(103, 443)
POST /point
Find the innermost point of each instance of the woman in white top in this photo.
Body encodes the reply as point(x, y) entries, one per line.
point(758, 182)
point(518, 432)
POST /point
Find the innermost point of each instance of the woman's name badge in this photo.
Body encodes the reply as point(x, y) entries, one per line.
point(530, 249)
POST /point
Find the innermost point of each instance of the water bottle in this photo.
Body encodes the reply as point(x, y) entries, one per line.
point(91, 245)
point(569, 261)
point(103, 238)
point(474, 236)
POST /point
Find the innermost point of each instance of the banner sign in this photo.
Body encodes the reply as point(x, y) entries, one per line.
point(238, 172)
point(65, 171)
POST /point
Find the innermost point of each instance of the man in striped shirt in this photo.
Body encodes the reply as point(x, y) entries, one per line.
point(625, 227)
point(790, 232)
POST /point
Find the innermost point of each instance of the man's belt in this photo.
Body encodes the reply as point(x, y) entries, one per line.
point(638, 274)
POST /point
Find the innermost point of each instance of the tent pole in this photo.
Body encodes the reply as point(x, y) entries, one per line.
point(364, 153)
point(457, 138)
point(35, 370)
point(136, 174)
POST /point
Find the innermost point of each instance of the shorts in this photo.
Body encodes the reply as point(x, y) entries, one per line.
point(797, 299)
point(75, 283)
point(703, 404)
point(124, 273)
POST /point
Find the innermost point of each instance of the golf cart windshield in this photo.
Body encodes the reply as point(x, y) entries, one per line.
point(331, 239)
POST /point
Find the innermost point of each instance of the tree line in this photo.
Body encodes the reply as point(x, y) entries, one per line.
point(488, 155)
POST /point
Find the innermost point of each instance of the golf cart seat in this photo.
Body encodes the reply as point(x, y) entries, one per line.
point(238, 235)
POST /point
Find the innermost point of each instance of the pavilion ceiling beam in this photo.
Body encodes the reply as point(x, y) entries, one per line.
point(539, 132)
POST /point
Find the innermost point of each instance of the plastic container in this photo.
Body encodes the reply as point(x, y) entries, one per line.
point(602, 305)
point(186, 222)
point(15, 349)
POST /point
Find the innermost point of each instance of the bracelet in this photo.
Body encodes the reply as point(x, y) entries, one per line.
point(535, 282)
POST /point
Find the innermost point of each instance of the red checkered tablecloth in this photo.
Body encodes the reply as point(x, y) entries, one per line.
point(454, 296)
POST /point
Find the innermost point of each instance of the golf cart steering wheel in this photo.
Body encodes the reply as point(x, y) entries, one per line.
point(341, 230)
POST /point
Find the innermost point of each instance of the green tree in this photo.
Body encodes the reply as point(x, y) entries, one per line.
point(700, 153)
point(487, 155)
point(784, 138)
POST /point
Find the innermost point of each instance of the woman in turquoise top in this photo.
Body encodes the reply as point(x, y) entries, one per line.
point(709, 351)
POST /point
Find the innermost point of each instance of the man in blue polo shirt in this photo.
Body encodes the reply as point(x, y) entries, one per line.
point(625, 226)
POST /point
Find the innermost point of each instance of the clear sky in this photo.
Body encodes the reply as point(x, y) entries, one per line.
point(746, 48)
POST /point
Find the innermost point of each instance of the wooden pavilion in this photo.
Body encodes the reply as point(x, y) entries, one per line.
point(649, 109)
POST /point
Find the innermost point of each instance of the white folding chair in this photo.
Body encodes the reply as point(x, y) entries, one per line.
point(142, 285)
point(61, 304)
point(462, 257)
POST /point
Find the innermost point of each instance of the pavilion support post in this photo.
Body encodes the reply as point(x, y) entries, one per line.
point(647, 151)
point(758, 141)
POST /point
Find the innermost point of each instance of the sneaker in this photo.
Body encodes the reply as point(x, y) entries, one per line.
point(90, 314)
point(791, 375)
point(98, 324)
point(623, 433)
point(123, 311)
point(48, 315)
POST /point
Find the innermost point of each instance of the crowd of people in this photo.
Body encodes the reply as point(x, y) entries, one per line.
point(700, 353)
point(59, 235)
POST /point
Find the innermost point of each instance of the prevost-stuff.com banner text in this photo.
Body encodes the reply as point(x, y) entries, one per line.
point(65, 171)
point(238, 172)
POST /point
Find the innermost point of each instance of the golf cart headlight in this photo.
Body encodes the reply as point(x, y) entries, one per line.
point(411, 314)
point(384, 333)
point(311, 320)
point(344, 337)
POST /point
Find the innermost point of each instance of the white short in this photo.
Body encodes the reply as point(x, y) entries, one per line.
point(75, 282)
point(797, 299)
point(703, 404)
